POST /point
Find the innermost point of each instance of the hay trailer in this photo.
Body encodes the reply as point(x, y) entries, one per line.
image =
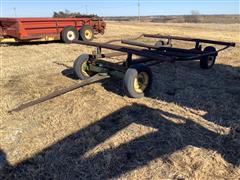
point(135, 69)
point(136, 73)
point(46, 29)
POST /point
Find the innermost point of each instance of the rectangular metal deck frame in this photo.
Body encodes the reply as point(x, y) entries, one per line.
point(160, 54)
point(149, 55)
point(190, 39)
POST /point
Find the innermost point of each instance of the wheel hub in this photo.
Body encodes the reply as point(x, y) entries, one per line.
point(210, 60)
point(71, 35)
point(141, 82)
point(88, 34)
point(85, 69)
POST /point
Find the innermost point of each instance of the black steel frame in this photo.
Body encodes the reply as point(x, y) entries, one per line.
point(151, 54)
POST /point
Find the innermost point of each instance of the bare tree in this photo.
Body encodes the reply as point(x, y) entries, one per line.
point(193, 18)
point(67, 13)
point(195, 13)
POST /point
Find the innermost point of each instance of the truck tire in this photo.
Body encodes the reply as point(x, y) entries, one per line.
point(207, 62)
point(69, 33)
point(137, 81)
point(86, 33)
point(81, 67)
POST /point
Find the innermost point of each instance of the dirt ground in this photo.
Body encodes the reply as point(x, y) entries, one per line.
point(188, 127)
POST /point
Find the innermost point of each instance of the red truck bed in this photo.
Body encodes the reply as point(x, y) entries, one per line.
point(36, 28)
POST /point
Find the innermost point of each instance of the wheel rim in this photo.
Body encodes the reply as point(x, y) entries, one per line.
point(71, 35)
point(85, 69)
point(88, 34)
point(141, 82)
point(210, 60)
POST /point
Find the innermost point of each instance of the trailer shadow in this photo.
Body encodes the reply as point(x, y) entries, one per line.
point(66, 160)
point(113, 84)
point(30, 43)
point(69, 73)
point(215, 91)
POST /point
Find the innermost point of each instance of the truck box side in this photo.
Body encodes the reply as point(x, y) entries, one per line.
point(34, 28)
point(9, 27)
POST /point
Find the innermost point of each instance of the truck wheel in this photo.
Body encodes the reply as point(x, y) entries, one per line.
point(69, 34)
point(207, 62)
point(81, 67)
point(137, 81)
point(86, 33)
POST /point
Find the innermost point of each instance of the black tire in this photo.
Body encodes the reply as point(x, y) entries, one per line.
point(132, 75)
point(86, 33)
point(207, 62)
point(68, 34)
point(159, 44)
point(81, 67)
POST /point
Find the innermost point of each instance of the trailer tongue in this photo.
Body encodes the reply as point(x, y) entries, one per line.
point(93, 79)
point(136, 73)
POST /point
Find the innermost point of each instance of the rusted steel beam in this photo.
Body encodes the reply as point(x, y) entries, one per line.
point(180, 50)
point(110, 65)
point(126, 49)
point(167, 51)
point(191, 39)
point(140, 44)
point(114, 54)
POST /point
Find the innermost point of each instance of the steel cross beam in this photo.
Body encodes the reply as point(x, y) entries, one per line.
point(130, 50)
point(191, 39)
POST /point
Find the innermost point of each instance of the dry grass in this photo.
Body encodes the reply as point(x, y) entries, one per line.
point(187, 128)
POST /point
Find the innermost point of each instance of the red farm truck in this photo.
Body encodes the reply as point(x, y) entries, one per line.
point(66, 29)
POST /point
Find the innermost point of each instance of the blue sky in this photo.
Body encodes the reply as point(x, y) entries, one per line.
point(45, 8)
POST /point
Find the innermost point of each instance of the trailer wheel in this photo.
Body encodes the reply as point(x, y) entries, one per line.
point(207, 62)
point(81, 67)
point(86, 33)
point(69, 34)
point(137, 81)
point(159, 44)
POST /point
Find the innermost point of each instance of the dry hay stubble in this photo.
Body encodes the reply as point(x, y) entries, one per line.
point(181, 94)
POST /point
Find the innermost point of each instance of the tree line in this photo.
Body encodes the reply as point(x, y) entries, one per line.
point(67, 13)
